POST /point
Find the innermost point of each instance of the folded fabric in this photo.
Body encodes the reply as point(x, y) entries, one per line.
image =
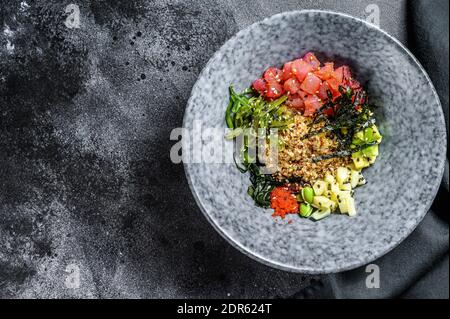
point(400, 269)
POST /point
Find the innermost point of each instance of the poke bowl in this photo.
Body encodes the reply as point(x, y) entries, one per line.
point(406, 125)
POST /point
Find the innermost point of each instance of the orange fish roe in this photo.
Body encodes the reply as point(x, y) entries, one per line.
point(283, 201)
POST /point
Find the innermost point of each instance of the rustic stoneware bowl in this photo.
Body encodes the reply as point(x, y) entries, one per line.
point(402, 183)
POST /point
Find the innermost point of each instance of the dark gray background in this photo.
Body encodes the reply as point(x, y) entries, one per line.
point(85, 174)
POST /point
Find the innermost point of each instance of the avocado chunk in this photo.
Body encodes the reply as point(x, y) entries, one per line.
point(368, 135)
point(360, 160)
point(376, 134)
point(368, 155)
point(370, 151)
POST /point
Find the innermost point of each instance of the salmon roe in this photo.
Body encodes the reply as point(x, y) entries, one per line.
point(283, 201)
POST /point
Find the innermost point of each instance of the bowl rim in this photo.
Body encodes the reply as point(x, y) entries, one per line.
point(308, 270)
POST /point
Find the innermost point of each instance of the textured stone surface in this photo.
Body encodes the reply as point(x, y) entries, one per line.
point(84, 149)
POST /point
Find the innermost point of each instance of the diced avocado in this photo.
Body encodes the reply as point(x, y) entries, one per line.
point(371, 134)
point(376, 134)
point(359, 160)
point(368, 134)
point(366, 156)
point(357, 154)
point(359, 135)
point(370, 151)
point(352, 167)
point(358, 138)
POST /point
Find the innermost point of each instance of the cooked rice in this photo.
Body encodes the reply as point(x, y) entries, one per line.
point(295, 154)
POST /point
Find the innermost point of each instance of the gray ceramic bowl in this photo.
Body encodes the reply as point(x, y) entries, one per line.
point(402, 183)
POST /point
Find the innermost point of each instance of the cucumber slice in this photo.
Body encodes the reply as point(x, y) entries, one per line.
point(347, 206)
point(335, 190)
point(327, 194)
point(343, 205)
point(354, 178)
point(324, 203)
point(329, 179)
point(321, 214)
point(319, 187)
point(345, 194)
point(351, 207)
point(342, 175)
